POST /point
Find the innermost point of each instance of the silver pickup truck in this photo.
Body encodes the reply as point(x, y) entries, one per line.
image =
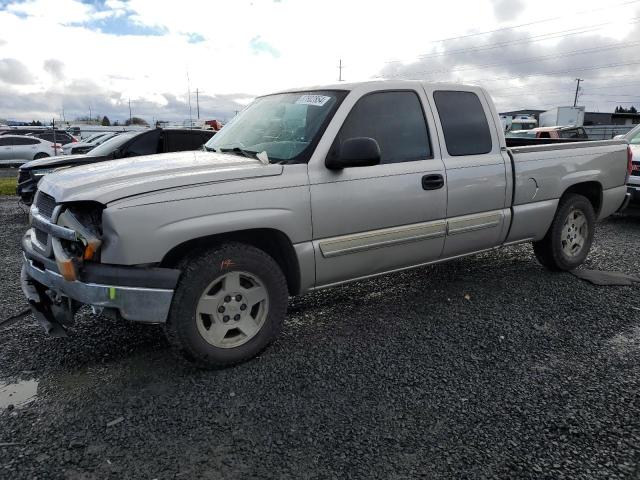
point(306, 189)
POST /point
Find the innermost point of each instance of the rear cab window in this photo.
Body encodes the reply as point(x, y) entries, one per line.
point(464, 122)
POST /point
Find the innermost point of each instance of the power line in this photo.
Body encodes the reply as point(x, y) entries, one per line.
point(528, 87)
point(532, 59)
point(532, 39)
point(560, 72)
point(573, 14)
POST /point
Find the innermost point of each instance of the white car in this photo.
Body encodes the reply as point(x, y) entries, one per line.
point(18, 149)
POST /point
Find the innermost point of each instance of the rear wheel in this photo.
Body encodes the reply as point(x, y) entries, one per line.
point(40, 155)
point(568, 240)
point(228, 306)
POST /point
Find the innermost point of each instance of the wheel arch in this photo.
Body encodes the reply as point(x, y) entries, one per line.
point(273, 242)
point(592, 190)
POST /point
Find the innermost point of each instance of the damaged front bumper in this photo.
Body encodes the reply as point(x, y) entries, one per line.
point(141, 294)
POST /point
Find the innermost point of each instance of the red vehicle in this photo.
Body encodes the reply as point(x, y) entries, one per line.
point(550, 132)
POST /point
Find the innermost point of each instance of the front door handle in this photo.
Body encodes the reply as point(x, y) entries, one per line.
point(432, 182)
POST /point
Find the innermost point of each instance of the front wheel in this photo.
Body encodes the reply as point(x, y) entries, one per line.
point(40, 155)
point(228, 306)
point(568, 240)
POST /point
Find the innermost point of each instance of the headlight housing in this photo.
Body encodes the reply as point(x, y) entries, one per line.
point(85, 219)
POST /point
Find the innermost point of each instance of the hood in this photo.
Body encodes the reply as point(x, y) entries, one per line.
point(61, 161)
point(106, 182)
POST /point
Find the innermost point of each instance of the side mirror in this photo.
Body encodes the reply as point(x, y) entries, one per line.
point(355, 152)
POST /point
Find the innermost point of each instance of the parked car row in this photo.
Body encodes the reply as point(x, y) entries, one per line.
point(122, 145)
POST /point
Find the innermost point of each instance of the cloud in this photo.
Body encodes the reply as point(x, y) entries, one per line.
point(259, 46)
point(519, 71)
point(82, 96)
point(505, 10)
point(55, 68)
point(113, 50)
point(14, 72)
point(194, 37)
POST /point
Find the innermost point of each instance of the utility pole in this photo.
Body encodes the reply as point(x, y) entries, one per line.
point(340, 70)
point(90, 117)
point(198, 103)
point(575, 99)
point(130, 112)
point(55, 144)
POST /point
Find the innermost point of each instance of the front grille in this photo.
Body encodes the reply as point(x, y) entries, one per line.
point(45, 204)
point(41, 236)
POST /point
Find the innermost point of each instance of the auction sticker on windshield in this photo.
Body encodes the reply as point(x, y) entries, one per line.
point(317, 100)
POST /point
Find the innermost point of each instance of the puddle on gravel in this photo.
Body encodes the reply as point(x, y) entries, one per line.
point(18, 394)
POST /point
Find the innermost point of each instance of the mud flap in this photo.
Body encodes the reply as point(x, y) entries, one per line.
point(42, 307)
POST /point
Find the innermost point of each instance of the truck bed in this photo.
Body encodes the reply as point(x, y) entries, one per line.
point(542, 173)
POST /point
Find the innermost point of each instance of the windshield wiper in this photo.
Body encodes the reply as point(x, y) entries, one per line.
point(242, 151)
point(208, 149)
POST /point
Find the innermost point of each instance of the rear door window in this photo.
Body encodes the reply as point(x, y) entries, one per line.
point(464, 123)
point(395, 120)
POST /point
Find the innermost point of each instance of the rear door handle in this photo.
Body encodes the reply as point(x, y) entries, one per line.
point(432, 182)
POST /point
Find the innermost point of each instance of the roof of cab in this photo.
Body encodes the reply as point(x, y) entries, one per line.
point(381, 83)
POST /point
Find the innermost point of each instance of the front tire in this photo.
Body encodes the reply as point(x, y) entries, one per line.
point(569, 238)
point(40, 155)
point(229, 305)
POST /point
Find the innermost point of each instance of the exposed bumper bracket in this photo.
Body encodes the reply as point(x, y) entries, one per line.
point(150, 305)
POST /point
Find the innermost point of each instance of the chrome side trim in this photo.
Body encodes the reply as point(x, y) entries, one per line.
point(469, 223)
point(359, 242)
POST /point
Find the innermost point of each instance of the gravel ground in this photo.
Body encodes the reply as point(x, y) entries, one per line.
point(486, 367)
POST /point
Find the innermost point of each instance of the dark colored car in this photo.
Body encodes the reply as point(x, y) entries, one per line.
point(60, 137)
point(127, 144)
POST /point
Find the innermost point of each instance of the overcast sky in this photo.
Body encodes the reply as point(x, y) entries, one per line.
point(76, 56)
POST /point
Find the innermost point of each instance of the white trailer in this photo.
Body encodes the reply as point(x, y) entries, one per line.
point(562, 117)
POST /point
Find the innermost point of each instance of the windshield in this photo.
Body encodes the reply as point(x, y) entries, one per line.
point(285, 126)
point(103, 138)
point(92, 138)
point(113, 144)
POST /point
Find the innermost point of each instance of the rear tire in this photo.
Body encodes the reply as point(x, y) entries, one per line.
point(569, 238)
point(229, 305)
point(40, 155)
